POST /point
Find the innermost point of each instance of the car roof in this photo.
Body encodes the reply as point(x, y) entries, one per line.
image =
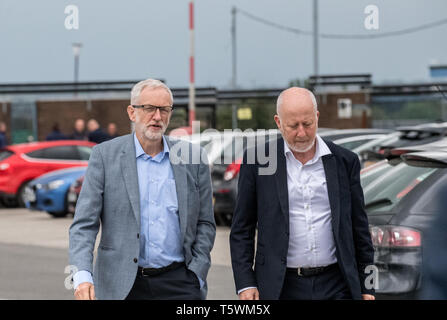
point(429, 127)
point(432, 146)
point(361, 137)
point(426, 159)
point(345, 133)
point(31, 146)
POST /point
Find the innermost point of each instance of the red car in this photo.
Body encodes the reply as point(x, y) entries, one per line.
point(21, 163)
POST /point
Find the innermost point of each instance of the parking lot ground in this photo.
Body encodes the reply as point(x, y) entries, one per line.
point(34, 254)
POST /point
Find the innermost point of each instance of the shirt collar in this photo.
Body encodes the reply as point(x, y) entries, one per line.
point(322, 150)
point(139, 149)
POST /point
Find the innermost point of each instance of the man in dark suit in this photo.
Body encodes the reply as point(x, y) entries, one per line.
point(313, 240)
point(96, 134)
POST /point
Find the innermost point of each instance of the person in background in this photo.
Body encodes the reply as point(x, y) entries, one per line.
point(56, 134)
point(112, 130)
point(95, 132)
point(79, 130)
point(3, 138)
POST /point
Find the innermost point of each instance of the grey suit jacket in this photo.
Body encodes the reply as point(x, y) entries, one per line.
point(110, 198)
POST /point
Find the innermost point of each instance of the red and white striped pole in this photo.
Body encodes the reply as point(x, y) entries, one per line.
point(192, 91)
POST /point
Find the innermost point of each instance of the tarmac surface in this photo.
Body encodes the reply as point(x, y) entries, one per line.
point(34, 255)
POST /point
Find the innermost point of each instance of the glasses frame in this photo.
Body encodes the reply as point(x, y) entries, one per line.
point(159, 108)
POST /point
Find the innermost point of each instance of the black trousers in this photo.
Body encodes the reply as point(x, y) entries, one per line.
point(177, 284)
point(329, 285)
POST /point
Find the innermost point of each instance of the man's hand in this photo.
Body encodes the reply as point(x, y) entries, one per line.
point(85, 291)
point(368, 297)
point(249, 294)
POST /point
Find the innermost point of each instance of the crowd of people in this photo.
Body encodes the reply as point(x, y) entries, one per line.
point(92, 132)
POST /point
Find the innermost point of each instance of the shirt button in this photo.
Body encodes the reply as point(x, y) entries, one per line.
point(135, 260)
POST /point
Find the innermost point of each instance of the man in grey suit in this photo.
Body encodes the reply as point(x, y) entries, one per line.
point(154, 205)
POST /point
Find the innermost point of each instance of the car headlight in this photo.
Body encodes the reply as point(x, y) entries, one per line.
point(55, 184)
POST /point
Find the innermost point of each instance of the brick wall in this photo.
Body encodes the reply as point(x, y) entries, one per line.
point(66, 112)
point(5, 116)
point(328, 108)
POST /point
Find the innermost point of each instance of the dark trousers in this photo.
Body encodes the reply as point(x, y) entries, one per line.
point(329, 285)
point(177, 284)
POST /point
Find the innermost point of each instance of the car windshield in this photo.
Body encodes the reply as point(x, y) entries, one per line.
point(350, 145)
point(392, 185)
point(371, 173)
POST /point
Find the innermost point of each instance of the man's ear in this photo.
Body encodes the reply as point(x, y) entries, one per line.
point(277, 120)
point(131, 113)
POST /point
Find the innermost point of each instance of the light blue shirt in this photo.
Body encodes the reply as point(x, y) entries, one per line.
point(160, 236)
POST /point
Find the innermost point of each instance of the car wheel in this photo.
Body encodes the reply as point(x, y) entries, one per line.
point(9, 202)
point(21, 195)
point(58, 214)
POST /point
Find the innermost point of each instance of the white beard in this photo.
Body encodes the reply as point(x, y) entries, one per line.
point(155, 135)
point(301, 150)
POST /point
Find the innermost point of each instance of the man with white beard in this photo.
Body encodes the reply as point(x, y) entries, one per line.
point(313, 240)
point(155, 209)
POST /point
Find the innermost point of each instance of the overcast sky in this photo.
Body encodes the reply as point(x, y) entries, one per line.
point(137, 39)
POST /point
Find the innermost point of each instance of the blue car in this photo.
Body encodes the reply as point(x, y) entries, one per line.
point(49, 191)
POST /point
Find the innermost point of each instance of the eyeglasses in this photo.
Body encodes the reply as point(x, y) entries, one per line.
point(150, 109)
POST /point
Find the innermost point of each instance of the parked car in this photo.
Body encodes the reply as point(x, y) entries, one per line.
point(21, 163)
point(354, 142)
point(332, 135)
point(225, 173)
point(49, 192)
point(372, 147)
point(73, 194)
point(415, 135)
point(401, 204)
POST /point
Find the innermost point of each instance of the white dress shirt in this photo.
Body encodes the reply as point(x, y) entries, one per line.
point(311, 240)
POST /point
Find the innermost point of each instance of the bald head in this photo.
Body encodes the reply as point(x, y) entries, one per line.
point(296, 97)
point(297, 119)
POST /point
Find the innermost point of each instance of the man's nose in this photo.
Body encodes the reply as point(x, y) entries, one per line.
point(157, 115)
point(301, 131)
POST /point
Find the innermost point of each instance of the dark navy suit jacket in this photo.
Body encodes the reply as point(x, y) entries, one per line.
point(98, 136)
point(262, 203)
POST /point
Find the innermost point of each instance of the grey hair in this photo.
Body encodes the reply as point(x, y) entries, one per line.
point(148, 83)
point(311, 95)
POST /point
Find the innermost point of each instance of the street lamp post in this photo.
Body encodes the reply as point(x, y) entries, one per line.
point(76, 52)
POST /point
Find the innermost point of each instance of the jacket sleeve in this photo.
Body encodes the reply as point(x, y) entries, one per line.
point(364, 249)
point(243, 227)
point(85, 226)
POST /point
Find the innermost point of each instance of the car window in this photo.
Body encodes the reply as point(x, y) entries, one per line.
point(5, 154)
point(430, 202)
point(373, 172)
point(385, 192)
point(84, 152)
point(56, 153)
point(353, 144)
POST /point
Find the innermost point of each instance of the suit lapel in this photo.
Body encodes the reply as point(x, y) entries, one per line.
point(330, 169)
point(130, 174)
point(281, 181)
point(181, 186)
